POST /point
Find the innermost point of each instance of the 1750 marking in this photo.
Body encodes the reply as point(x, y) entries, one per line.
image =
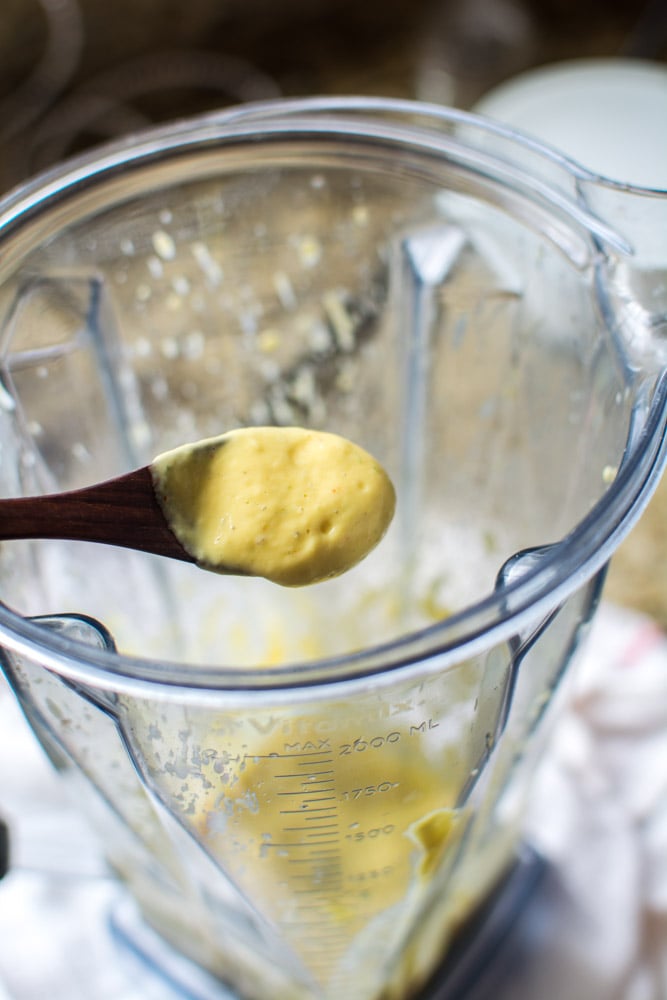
point(368, 790)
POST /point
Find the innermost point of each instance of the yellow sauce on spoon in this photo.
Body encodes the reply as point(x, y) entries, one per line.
point(294, 506)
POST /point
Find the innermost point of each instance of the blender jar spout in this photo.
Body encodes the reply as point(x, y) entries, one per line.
point(632, 288)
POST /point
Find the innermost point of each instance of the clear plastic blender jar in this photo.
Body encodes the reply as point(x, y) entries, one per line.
point(308, 792)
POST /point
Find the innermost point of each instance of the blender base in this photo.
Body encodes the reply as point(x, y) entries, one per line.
point(474, 964)
point(477, 959)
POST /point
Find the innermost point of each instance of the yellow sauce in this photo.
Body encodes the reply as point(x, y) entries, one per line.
point(355, 837)
point(294, 506)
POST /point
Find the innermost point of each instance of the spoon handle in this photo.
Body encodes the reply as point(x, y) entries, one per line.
point(122, 511)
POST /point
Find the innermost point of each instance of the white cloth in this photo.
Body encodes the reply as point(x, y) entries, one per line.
point(599, 814)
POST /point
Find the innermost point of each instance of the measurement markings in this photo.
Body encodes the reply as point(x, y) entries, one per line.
point(311, 908)
point(307, 783)
point(323, 873)
point(322, 896)
point(283, 756)
point(299, 774)
point(325, 887)
point(311, 809)
point(303, 843)
point(318, 871)
point(310, 800)
point(320, 817)
point(323, 878)
point(300, 812)
point(332, 880)
point(326, 866)
point(315, 880)
point(307, 798)
point(311, 860)
point(318, 888)
point(321, 826)
point(321, 892)
point(288, 774)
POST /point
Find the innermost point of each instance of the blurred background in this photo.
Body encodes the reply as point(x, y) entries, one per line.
point(74, 73)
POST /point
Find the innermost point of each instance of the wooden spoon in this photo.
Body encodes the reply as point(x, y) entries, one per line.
point(294, 506)
point(124, 511)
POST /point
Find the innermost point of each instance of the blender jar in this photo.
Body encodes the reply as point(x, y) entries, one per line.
point(308, 792)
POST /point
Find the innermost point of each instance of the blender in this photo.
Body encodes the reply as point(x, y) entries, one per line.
point(311, 793)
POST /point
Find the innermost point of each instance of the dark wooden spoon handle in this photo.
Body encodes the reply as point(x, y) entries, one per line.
point(122, 511)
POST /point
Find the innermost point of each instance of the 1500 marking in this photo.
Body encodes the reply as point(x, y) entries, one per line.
point(377, 831)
